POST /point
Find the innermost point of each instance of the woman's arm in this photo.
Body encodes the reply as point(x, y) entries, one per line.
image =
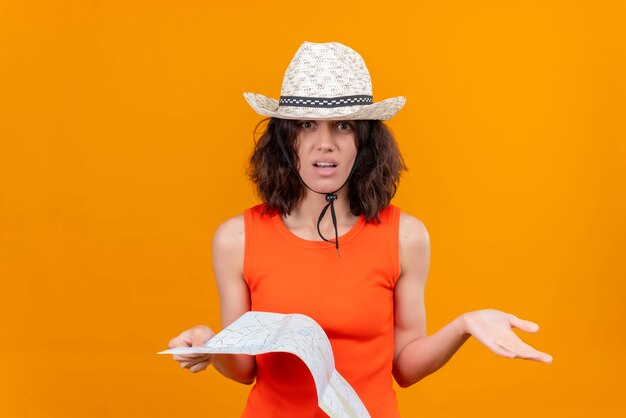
point(228, 254)
point(417, 355)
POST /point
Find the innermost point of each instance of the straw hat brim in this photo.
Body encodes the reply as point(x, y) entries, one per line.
point(383, 110)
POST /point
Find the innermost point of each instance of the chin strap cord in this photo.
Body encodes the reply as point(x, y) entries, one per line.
point(330, 197)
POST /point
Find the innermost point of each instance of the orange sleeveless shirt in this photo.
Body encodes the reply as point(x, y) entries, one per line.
point(350, 297)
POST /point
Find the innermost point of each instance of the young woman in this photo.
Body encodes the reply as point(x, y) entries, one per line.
point(327, 243)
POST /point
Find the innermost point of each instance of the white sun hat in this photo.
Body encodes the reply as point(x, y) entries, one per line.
point(326, 81)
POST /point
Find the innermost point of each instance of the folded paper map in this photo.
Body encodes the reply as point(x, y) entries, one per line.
point(264, 332)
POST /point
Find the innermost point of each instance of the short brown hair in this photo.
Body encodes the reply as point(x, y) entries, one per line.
point(370, 189)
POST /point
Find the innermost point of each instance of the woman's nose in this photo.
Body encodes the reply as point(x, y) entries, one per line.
point(325, 138)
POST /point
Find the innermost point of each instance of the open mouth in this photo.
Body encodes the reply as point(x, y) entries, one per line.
point(321, 164)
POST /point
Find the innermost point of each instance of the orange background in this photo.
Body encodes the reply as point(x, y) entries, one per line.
point(124, 139)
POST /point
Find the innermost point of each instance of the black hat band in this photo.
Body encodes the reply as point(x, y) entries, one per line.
point(300, 101)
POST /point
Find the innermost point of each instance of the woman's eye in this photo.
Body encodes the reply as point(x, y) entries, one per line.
point(344, 126)
point(306, 124)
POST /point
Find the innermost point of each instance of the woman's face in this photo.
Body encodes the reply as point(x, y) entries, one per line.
point(326, 150)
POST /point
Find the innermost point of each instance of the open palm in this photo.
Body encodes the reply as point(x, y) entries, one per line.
point(493, 329)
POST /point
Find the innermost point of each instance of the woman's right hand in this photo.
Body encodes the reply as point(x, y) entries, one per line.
point(193, 337)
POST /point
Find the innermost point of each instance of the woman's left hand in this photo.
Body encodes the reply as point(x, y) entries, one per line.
point(493, 329)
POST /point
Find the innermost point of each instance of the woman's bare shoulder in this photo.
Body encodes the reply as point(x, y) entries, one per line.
point(230, 235)
point(414, 247)
point(412, 230)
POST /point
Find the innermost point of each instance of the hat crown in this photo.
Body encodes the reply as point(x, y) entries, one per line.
point(326, 70)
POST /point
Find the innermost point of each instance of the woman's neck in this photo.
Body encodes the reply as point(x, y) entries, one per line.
point(303, 218)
